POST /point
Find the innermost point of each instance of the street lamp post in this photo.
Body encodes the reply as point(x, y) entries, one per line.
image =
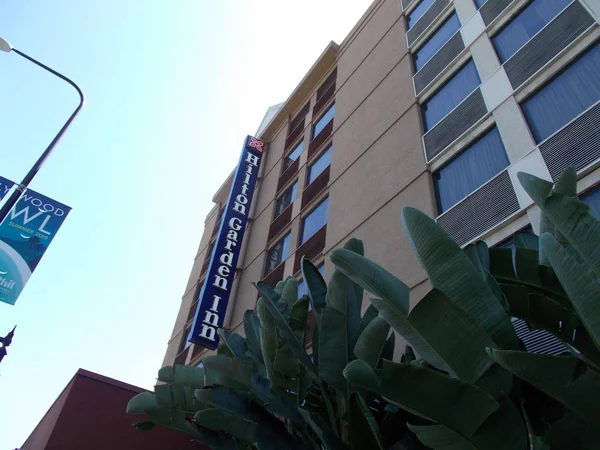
point(6, 47)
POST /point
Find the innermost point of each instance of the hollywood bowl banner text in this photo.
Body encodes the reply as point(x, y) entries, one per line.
point(25, 235)
point(223, 262)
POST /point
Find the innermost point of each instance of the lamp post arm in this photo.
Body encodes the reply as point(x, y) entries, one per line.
point(12, 200)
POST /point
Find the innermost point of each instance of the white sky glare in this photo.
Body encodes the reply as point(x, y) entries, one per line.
point(172, 89)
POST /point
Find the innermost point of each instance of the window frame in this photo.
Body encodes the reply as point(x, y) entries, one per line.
point(427, 128)
point(455, 157)
point(282, 258)
point(431, 37)
point(303, 221)
point(294, 188)
point(512, 20)
point(316, 122)
point(287, 161)
point(329, 150)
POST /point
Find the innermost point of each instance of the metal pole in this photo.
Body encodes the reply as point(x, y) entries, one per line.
point(20, 188)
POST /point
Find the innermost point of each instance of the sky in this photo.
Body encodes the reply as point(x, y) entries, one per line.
point(172, 88)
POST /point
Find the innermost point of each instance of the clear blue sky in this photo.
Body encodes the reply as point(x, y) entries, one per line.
point(172, 89)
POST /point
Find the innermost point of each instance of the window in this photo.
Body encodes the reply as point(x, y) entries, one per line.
point(592, 199)
point(480, 3)
point(510, 241)
point(450, 95)
point(187, 343)
point(319, 165)
point(286, 199)
point(293, 155)
point(277, 254)
point(565, 97)
point(525, 25)
point(414, 16)
point(436, 41)
point(323, 121)
point(303, 288)
point(474, 166)
point(314, 221)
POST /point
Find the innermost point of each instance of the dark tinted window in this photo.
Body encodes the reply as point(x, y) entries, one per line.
point(286, 199)
point(277, 254)
point(474, 166)
point(436, 41)
point(323, 121)
point(293, 155)
point(480, 3)
point(303, 288)
point(319, 165)
point(418, 12)
point(314, 221)
point(592, 199)
point(525, 25)
point(450, 95)
point(565, 97)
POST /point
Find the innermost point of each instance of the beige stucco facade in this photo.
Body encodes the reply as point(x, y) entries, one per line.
point(379, 162)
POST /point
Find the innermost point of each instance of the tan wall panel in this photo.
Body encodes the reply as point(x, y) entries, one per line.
point(383, 234)
point(387, 168)
point(275, 150)
point(375, 28)
point(377, 65)
point(388, 102)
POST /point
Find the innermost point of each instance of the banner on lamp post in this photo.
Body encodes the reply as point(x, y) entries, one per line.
point(25, 235)
point(216, 289)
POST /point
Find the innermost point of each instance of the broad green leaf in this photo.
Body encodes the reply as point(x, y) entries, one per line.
point(581, 287)
point(570, 216)
point(317, 288)
point(372, 277)
point(179, 373)
point(563, 378)
point(526, 239)
point(502, 430)
point(289, 294)
point(388, 348)
point(354, 303)
point(369, 346)
point(322, 430)
point(478, 254)
point(268, 337)
point(369, 315)
point(451, 272)
point(574, 433)
point(341, 295)
point(333, 352)
point(141, 403)
point(224, 398)
point(235, 343)
point(427, 328)
point(284, 328)
point(236, 369)
point(252, 332)
point(567, 183)
point(465, 407)
point(363, 429)
point(440, 437)
point(299, 316)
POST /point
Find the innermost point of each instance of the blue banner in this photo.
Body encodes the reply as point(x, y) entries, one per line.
point(5, 186)
point(216, 289)
point(25, 235)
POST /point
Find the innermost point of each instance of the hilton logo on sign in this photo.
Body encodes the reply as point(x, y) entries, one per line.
point(221, 270)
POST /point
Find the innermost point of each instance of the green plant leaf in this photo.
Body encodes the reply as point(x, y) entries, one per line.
point(363, 429)
point(564, 378)
point(284, 328)
point(141, 403)
point(570, 216)
point(465, 407)
point(371, 342)
point(333, 352)
point(440, 437)
point(179, 373)
point(268, 337)
point(322, 430)
point(237, 371)
point(369, 315)
point(317, 288)
point(427, 328)
point(582, 288)
point(573, 433)
point(289, 294)
point(440, 256)
point(235, 343)
point(252, 332)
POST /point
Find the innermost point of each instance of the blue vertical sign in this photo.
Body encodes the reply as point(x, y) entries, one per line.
point(223, 262)
point(25, 235)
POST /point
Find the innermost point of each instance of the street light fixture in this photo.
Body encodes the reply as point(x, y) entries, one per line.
point(6, 47)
